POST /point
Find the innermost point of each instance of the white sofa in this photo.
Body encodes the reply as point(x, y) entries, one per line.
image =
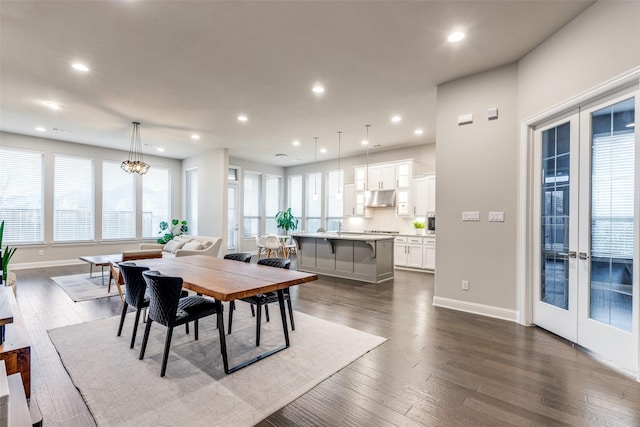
point(185, 245)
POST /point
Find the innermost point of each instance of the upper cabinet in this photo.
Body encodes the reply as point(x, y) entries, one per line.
point(419, 196)
point(360, 175)
point(404, 174)
point(353, 204)
point(382, 177)
point(431, 193)
point(424, 195)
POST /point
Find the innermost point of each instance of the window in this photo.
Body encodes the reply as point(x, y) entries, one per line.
point(334, 200)
point(74, 199)
point(156, 200)
point(314, 202)
point(272, 203)
point(118, 202)
point(191, 200)
point(21, 196)
point(251, 199)
point(295, 195)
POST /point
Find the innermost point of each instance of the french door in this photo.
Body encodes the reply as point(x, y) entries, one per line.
point(233, 217)
point(587, 204)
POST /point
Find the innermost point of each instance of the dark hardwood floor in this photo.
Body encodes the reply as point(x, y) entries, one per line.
point(438, 367)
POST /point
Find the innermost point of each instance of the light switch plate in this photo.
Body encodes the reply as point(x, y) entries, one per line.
point(496, 216)
point(471, 216)
point(465, 119)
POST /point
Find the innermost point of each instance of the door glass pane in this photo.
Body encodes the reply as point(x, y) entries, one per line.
point(555, 217)
point(612, 208)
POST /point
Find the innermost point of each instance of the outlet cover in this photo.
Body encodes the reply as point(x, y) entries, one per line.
point(465, 285)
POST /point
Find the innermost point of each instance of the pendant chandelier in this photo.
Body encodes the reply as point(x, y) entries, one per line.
point(135, 162)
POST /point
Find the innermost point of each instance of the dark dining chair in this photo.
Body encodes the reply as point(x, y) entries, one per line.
point(167, 308)
point(261, 300)
point(135, 295)
point(239, 256)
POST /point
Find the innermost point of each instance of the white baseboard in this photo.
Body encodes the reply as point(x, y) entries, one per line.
point(41, 264)
point(475, 308)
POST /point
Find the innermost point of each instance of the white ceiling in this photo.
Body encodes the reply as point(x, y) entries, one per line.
point(180, 67)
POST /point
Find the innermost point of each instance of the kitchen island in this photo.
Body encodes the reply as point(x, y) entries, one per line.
point(364, 257)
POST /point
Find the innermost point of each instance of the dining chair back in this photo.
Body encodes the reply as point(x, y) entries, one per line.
point(239, 256)
point(267, 298)
point(259, 244)
point(167, 308)
point(272, 243)
point(135, 294)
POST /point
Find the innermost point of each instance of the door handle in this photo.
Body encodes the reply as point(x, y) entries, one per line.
point(570, 254)
point(583, 255)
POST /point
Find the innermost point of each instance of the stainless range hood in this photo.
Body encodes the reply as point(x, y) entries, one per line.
point(381, 199)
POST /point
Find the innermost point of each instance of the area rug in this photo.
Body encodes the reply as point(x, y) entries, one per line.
point(121, 390)
point(80, 287)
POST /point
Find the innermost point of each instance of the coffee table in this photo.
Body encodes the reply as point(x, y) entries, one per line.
point(100, 261)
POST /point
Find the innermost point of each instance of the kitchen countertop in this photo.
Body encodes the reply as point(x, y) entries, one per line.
point(346, 236)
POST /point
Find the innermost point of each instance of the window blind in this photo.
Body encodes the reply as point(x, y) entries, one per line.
point(118, 202)
point(74, 199)
point(251, 203)
point(272, 203)
point(612, 195)
point(21, 195)
point(156, 200)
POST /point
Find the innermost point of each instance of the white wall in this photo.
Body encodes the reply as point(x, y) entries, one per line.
point(478, 165)
point(27, 255)
point(477, 172)
point(213, 168)
point(599, 44)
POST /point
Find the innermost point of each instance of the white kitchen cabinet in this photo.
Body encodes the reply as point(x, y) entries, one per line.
point(429, 253)
point(382, 176)
point(403, 202)
point(419, 196)
point(431, 193)
point(404, 171)
point(408, 251)
point(360, 174)
point(353, 203)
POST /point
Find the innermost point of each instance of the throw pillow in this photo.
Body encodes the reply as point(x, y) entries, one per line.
point(193, 246)
point(206, 244)
point(173, 245)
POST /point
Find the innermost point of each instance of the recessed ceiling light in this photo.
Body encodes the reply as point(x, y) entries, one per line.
point(242, 118)
point(323, 150)
point(456, 36)
point(281, 156)
point(396, 119)
point(318, 89)
point(296, 142)
point(364, 142)
point(80, 67)
point(160, 149)
point(418, 132)
point(52, 105)
point(195, 136)
point(40, 129)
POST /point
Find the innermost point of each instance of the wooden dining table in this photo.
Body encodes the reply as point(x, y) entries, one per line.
point(227, 280)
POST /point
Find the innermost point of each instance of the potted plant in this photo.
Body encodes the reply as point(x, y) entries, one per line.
point(419, 227)
point(286, 221)
point(168, 232)
point(5, 256)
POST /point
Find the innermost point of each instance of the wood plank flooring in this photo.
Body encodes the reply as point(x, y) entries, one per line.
point(438, 368)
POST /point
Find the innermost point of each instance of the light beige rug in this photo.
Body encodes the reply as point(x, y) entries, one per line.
point(121, 390)
point(81, 287)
